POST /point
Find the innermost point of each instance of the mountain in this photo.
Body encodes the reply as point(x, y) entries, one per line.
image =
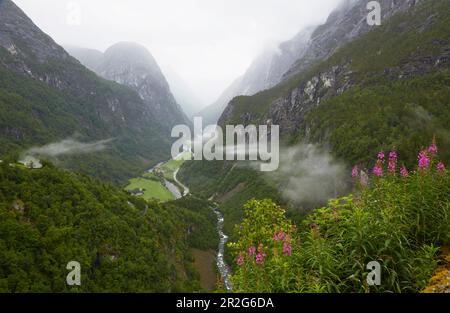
point(266, 71)
point(183, 95)
point(189, 101)
point(47, 96)
point(132, 65)
point(212, 112)
point(90, 58)
point(313, 44)
point(397, 69)
point(347, 22)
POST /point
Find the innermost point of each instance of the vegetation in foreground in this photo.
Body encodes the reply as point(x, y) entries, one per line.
point(398, 218)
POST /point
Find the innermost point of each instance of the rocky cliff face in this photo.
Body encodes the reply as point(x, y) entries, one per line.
point(132, 65)
point(35, 55)
point(268, 70)
point(345, 23)
point(311, 45)
point(404, 49)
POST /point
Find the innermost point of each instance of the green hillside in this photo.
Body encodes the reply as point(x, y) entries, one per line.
point(398, 95)
point(33, 113)
point(49, 217)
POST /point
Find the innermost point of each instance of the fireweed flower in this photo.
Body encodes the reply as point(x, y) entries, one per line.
point(433, 149)
point(240, 260)
point(392, 162)
point(424, 160)
point(404, 171)
point(280, 236)
point(355, 171)
point(393, 155)
point(260, 258)
point(392, 166)
point(287, 248)
point(378, 170)
point(440, 167)
point(251, 250)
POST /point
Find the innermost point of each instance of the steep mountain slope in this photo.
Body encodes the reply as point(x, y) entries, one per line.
point(90, 58)
point(189, 101)
point(132, 65)
point(313, 44)
point(46, 96)
point(398, 72)
point(265, 72)
point(268, 69)
point(212, 112)
point(345, 23)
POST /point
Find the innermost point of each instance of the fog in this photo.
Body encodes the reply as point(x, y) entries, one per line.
point(208, 43)
point(67, 147)
point(307, 175)
point(310, 175)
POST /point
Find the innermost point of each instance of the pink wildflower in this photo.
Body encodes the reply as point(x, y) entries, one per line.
point(381, 156)
point(393, 155)
point(355, 171)
point(424, 160)
point(280, 236)
point(240, 260)
point(392, 162)
point(260, 258)
point(440, 167)
point(378, 170)
point(404, 171)
point(251, 250)
point(287, 248)
point(433, 149)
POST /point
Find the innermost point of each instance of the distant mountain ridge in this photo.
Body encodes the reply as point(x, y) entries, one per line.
point(346, 23)
point(170, 86)
point(313, 44)
point(401, 67)
point(132, 65)
point(266, 71)
point(46, 96)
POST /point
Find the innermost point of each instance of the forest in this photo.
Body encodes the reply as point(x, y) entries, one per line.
point(49, 217)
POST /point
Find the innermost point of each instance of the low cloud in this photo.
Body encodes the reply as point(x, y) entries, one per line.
point(309, 176)
point(67, 147)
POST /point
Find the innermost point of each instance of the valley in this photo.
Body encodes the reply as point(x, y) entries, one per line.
point(161, 184)
point(357, 118)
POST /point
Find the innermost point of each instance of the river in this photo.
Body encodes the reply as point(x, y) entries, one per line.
point(223, 238)
point(221, 264)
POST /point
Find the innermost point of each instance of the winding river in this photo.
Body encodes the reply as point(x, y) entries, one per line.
point(221, 264)
point(220, 261)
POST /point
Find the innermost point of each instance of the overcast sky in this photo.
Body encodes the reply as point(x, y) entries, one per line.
point(208, 43)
